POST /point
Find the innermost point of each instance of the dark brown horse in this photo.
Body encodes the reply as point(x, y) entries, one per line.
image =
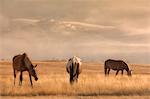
point(22, 63)
point(73, 67)
point(117, 65)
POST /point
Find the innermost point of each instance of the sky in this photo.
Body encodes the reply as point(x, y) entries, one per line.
point(94, 30)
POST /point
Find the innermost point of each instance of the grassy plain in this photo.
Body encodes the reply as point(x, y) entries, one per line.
point(54, 82)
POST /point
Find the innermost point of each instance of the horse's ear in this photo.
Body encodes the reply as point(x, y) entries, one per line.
point(35, 66)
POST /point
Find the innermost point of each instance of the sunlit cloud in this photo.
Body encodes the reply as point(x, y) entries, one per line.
point(90, 29)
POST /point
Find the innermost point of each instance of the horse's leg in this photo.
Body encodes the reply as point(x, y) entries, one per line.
point(21, 78)
point(105, 71)
point(14, 76)
point(76, 78)
point(108, 71)
point(71, 74)
point(77, 71)
point(30, 79)
point(122, 72)
point(117, 72)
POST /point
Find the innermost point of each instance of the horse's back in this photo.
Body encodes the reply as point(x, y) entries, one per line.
point(18, 63)
point(114, 64)
point(71, 63)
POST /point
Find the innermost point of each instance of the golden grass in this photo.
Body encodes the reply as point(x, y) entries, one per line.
point(75, 97)
point(88, 85)
point(53, 80)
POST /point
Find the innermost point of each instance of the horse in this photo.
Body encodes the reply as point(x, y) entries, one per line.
point(117, 65)
point(22, 63)
point(73, 67)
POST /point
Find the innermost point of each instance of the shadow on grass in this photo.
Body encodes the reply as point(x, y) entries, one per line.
point(80, 94)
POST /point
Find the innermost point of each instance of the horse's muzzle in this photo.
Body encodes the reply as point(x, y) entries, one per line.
point(36, 78)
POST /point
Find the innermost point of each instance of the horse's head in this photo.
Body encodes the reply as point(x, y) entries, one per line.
point(129, 73)
point(33, 72)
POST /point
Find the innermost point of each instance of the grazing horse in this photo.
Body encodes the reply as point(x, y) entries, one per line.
point(117, 65)
point(73, 67)
point(22, 63)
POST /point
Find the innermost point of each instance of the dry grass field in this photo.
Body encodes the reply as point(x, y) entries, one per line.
point(54, 82)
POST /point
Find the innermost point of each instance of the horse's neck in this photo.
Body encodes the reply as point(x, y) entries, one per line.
point(28, 63)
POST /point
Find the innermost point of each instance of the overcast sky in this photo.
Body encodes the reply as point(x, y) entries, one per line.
point(91, 29)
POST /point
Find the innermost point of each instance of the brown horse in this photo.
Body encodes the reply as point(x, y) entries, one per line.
point(73, 67)
point(117, 65)
point(22, 63)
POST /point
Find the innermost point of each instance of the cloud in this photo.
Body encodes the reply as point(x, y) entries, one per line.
point(26, 20)
point(87, 24)
point(93, 30)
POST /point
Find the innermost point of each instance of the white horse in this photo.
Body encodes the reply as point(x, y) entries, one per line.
point(73, 67)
